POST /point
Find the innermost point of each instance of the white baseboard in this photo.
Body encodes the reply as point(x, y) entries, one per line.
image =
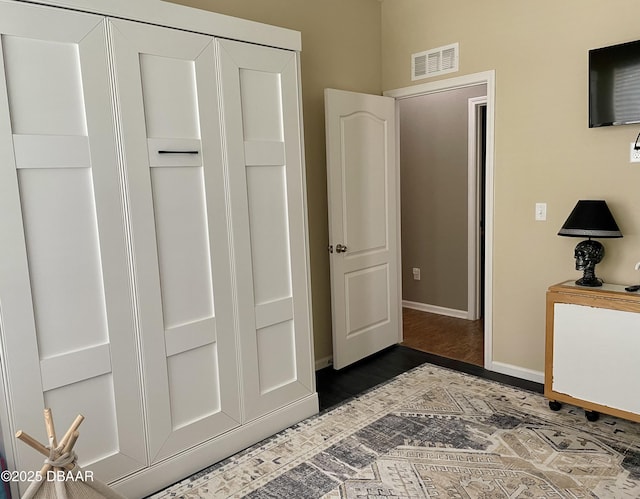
point(434, 309)
point(324, 362)
point(498, 367)
point(517, 372)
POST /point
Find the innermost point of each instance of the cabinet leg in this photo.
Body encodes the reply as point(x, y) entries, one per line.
point(554, 405)
point(592, 415)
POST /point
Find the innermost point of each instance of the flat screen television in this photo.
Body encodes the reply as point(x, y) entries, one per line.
point(614, 85)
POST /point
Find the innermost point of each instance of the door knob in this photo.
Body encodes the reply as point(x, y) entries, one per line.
point(340, 248)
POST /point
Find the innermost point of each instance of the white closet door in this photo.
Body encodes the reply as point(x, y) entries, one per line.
point(167, 95)
point(68, 329)
point(262, 128)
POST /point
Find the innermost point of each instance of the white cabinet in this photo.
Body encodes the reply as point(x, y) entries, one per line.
point(261, 118)
point(166, 89)
point(592, 345)
point(153, 265)
point(68, 324)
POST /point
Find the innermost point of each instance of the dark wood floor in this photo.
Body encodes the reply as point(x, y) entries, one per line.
point(335, 387)
point(444, 341)
point(458, 339)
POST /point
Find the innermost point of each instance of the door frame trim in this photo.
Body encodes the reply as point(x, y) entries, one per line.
point(488, 78)
point(474, 209)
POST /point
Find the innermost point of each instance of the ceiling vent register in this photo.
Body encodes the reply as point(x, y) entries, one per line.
point(434, 62)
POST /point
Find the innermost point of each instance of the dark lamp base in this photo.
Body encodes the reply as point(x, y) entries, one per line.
point(587, 254)
point(592, 282)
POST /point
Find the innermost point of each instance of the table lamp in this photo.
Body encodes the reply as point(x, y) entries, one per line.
point(590, 218)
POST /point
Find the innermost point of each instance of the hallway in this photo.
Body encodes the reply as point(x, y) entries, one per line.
point(458, 339)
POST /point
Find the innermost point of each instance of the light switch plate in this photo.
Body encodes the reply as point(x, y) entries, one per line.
point(541, 211)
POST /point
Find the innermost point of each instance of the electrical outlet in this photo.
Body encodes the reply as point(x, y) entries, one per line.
point(634, 155)
point(416, 274)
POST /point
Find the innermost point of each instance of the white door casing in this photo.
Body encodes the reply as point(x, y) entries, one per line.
point(488, 78)
point(363, 192)
point(68, 326)
point(167, 93)
point(475, 207)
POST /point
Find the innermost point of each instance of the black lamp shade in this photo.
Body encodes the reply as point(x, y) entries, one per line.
point(590, 218)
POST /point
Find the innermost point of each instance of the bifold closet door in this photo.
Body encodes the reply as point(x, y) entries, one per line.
point(261, 112)
point(68, 328)
point(167, 98)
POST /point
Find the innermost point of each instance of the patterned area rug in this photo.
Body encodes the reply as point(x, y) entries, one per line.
point(430, 433)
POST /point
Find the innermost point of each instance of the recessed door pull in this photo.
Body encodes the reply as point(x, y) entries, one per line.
point(178, 152)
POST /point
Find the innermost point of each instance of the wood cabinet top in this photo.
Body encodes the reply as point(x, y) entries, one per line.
point(606, 291)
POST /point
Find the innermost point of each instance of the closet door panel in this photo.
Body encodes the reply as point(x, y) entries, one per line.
point(166, 88)
point(269, 232)
point(183, 256)
point(58, 211)
point(262, 129)
point(68, 327)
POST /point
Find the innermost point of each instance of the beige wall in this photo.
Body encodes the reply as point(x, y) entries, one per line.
point(544, 151)
point(340, 49)
point(434, 170)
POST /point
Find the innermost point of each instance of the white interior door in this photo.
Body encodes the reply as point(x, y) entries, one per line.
point(363, 190)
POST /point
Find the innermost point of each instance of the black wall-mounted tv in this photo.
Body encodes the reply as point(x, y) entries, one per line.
point(614, 85)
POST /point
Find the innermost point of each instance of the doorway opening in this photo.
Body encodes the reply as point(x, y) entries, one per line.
point(456, 322)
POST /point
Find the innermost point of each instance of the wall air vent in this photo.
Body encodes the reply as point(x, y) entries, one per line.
point(434, 62)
